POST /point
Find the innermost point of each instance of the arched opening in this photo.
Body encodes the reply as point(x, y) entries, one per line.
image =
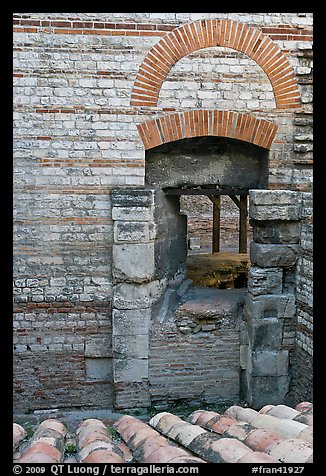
point(207, 179)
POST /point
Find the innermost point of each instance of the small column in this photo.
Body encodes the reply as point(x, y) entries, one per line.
point(275, 217)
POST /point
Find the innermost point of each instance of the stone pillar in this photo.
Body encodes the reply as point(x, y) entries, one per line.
point(275, 216)
point(134, 289)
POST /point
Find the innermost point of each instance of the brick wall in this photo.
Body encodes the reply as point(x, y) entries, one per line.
point(210, 373)
point(76, 138)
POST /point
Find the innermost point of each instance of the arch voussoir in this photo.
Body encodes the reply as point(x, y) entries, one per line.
point(207, 122)
point(208, 33)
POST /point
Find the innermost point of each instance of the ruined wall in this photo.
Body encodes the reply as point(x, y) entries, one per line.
point(75, 138)
point(302, 366)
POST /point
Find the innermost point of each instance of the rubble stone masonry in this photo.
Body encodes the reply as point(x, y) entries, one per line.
point(93, 92)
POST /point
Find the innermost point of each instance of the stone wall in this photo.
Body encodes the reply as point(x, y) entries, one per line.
point(271, 309)
point(76, 139)
point(302, 367)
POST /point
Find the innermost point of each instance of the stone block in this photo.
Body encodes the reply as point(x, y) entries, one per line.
point(270, 306)
point(133, 262)
point(274, 205)
point(265, 334)
point(270, 363)
point(99, 369)
point(132, 198)
point(270, 255)
point(131, 232)
point(136, 296)
point(98, 346)
point(264, 280)
point(130, 370)
point(130, 347)
point(274, 212)
point(264, 390)
point(130, 322)
point(276, 232)
point(132, 213)
point(274, 197)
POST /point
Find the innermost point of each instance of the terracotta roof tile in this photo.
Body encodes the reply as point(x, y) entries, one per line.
point(277, 433)
point(266, 409)
point(188, 434)
point(291, 451)
point(164, 454)
point(204, 417)
point(242, 414)
point(283, 411)
point(18, 434)
point(304, 407)
point(46, 445)
point(306, 418)
point(148, 446)
point(261, 439)
point(256, 457)
point(31, 455)
point(230, 450)
point(95, 444)
point(103, 456)
point(53, 424)
point(307, 435)
point(221, 425)
point(127, 454)
point(239, 430)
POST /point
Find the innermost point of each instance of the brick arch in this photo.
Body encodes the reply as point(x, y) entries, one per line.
point(207, 122)
point(208, 33)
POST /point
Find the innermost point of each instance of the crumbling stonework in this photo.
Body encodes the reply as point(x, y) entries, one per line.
point(94, 94)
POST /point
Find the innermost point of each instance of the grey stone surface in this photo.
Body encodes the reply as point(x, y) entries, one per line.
point(274, 197)
point(270, 363)
point(270, 255)
point(271, 306)
point(133, 262)
point(132, 213)
point(130, 322)
point(231, 163)
point(98, 346)
point(130, 370)
point(264, 280)
point(265, 334)
point(274, 212)
point(132, 198)
point(267, 390)
point(266, 205)
point(130, 346)
point(131, 232)
point(99, 369)
point(136, 296)
point(276, 231)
